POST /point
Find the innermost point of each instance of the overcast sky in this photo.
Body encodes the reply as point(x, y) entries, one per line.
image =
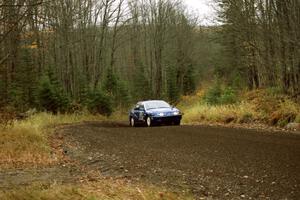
point(204, 8)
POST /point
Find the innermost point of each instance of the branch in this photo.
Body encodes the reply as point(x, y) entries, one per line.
point(4, 59)
point(22, 5)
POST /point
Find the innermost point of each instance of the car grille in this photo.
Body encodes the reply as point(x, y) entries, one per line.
point(169, 114)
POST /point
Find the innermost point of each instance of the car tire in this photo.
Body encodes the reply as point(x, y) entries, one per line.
point(148, 122)
point(177, 123)
point(132, 122)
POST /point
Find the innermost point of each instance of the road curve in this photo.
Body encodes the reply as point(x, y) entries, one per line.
point(213, 163)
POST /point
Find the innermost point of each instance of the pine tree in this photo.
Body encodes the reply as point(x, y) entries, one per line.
point(99, 102)
point(141, 85)
point(111, 82)
point(189, 83)
point(172, 87)
point(117, 89)
point(50, 96)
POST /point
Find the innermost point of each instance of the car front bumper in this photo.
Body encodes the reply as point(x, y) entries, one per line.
point(166, 119)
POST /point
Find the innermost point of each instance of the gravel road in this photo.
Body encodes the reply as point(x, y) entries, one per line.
point(212, 163)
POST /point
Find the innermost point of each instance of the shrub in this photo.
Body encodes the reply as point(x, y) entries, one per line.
point(274, 91)
point(259, 106)
point(99, 102)
point(229, 96)
point(50, 97)
point(212, 96)
point(240, 112)
point(283, 122)
point(286, 112)
point(215, 95)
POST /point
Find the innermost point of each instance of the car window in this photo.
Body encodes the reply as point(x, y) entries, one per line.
point(156, 104)
point(141, 107)
point(136, 107)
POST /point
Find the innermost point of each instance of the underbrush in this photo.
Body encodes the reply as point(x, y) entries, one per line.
point(26, 142)
point(240, 113)
point(105, 189)
point(258, 106)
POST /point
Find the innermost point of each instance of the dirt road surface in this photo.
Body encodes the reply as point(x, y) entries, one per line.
point(217, 163)
point(211, 163)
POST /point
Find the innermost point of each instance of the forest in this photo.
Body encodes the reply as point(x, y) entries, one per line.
point(63, 55)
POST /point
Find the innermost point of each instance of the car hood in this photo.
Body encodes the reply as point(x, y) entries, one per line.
point(162, 110)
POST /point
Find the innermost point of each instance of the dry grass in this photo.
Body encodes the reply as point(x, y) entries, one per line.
point(241, 113)
point(26, 142)
point(255, 106)
point(120, 115)
point(297, 120)
point(105, 189)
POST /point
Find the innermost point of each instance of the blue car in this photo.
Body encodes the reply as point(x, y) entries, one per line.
point(154, 112)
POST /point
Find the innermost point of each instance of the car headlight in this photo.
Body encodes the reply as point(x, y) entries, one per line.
point(161, 114)
point(176, 113)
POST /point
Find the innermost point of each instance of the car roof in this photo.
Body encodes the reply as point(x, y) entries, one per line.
point(148, 101)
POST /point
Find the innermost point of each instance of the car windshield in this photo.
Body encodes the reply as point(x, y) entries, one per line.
point(156, 104)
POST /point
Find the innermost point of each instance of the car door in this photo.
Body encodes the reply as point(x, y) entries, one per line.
point(138, 112)
point(141, 112)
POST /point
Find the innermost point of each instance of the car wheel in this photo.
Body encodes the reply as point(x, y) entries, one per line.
point(148, 122)
point(132, 122)
point(177, 123)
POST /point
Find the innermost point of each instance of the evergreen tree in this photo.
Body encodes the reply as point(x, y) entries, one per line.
point(111, 82)
point(99, 102)
point(21, 91)
point(122, 97)
point(172, 87)
point(141, 85)
point(117, 89)
point(189, 83)
point(46, 96)
point(50, 96)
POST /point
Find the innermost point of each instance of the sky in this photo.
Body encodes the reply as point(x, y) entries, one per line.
point(204, 8)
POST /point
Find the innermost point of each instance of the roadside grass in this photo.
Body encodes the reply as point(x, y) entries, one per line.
point(119, 115)
point(259, 106)
point(104, 189)
point(26, 142)
point(201, 112)
point(297, 120)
